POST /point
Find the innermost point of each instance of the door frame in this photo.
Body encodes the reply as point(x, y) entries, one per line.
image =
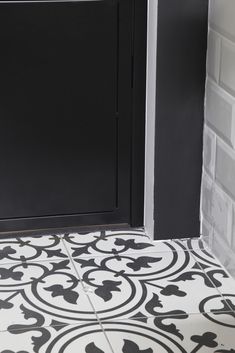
point(192, 64)
point(151, 75)
point(140, 23)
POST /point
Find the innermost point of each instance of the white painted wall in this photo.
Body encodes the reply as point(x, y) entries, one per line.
point(150, 117)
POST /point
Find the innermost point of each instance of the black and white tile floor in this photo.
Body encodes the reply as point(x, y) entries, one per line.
point(113, 292)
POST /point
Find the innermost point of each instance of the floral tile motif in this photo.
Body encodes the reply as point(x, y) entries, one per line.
point(82, 338)
point(220, 278)
point(115, 243)
point(149, 284)
point(163, 297)
point(179, 334)
point(41, 294)
point(37, 248)
point(170, 245)
point(106, 243)
point(203, 254)
point(196, 244)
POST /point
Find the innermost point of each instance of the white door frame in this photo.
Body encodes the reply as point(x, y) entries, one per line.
point(150, 117)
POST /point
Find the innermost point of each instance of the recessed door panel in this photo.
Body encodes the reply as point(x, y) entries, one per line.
point(58, 108)
point(66, 88)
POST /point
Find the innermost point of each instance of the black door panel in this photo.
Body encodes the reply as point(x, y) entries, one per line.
point(58, 113)
point(66, 73)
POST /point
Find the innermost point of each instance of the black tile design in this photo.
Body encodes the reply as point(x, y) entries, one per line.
point(61, 293)
point(188, 334)
point(37, 248)
point(148, 284)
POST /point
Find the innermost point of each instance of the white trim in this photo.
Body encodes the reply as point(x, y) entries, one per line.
point(150, 117)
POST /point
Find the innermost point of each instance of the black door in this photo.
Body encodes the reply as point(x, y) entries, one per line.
point(66, 122)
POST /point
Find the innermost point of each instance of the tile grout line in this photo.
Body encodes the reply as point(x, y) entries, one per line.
point(218, 291)
point(225, 270)
point(187, 249)
point(115, 319)
point(52, 326)
point(14, 262)
point(35, 261)
point(89, 299)
point(160, 316)
point(128, 253)
point(221, 265)
point(71, 260)
point(101, 323)
point(94, 255)
point(68, 257)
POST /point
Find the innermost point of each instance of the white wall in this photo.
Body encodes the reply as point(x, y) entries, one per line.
point(218, 188)
point(150, 117)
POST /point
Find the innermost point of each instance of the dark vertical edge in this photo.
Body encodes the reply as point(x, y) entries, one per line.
point(138, 112)
point(125, 110)
point(117, 100)
point(117, 57)
point(181, 72)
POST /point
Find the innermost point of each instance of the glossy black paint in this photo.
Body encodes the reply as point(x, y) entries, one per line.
point(66, 114)
point(181, 65)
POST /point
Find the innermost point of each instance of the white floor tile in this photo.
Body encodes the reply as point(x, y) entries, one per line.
point(37, 248)
point(149, 284)
point(193, 333)
point(162, 286)
point(106, 243)
point(88, 338)
point(44, 293)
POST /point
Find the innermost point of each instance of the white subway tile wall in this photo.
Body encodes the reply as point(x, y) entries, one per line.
point(227, 66)
point(213, 60)
point(233, 228)
point(209, 150)
point(218, 186)
point(220, 108)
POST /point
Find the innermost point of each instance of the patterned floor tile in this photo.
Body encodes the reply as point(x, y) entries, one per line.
point(115, 243)
point(220, 278)
point(149, 288)
point(204, 255)
point(105, 243)
point(41, 294)
point(80, 338)
point(125, 286)
point(37, 248)
point(196, 244)
point(179, 334)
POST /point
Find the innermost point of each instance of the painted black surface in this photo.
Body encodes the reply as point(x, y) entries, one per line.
point(181, 63)
point(66, 114)
point(138, 123)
